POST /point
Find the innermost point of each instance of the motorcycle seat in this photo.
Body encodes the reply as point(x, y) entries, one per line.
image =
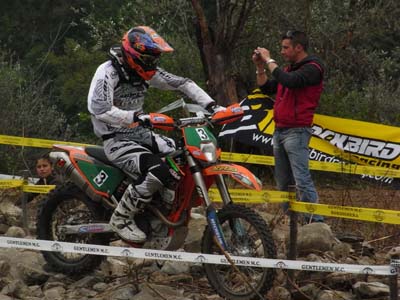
point(98, 153)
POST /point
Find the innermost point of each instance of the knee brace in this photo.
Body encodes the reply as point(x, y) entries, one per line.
point(161, 170)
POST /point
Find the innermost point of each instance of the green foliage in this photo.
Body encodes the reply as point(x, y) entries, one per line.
point(27, 111)
point(72, 73)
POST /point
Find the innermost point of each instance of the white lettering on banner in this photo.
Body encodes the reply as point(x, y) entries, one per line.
point(378, 163)
point(262, 138)
point(162, 255)
point(57, 246)
point(354, 144)
point(323, 268)
point(23, 243)
point(90, 249)
point(241, 262)
point(383, 179)
point(320, 156)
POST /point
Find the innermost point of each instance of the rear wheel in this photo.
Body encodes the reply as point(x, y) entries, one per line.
point(246, 234)
point(67, 205)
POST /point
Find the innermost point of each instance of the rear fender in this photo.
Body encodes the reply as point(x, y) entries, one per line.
point(238, 173)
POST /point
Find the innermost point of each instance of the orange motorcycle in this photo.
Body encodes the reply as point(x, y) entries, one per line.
point(79, 211)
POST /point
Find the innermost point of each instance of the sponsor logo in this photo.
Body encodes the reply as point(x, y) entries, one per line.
point(56, 247)
point(214, 223)
point(200, 259)
point(384, 179)
point(114, 74)
point(159, 119)
point(174, 174)
point(224, 168)
point(236, 109)
point(281, 265)
point(358, 145)
point(100, 178)
point(199, 191)
point(264, 139)
point(367, 270)
point(126, 252)
point(197, 153)
point(379, 215)
point(91, 228)
point(320, 156)
point(349, 212)
point(310, 208)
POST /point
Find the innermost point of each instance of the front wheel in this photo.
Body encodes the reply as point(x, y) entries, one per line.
point(246, 234)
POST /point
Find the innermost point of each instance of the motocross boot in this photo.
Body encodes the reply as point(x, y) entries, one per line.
point(122, 221)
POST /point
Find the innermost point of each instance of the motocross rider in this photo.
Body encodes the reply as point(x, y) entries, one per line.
point(115, 102)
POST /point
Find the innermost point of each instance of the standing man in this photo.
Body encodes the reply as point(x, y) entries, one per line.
point(298, 88)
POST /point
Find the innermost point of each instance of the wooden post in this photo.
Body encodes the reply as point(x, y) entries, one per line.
point(24, 202)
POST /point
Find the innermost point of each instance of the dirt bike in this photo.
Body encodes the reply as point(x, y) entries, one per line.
point(79, 211)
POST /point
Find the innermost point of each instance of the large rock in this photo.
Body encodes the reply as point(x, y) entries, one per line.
point(11, 213)
point(334, 295)
point(15, 231)
point(32, 275)
point(371, 289)
point(315, 237)
point(154, 291)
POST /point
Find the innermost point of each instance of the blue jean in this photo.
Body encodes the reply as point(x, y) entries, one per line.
point(291, 154)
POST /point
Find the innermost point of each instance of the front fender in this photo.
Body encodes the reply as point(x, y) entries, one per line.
point(238, 173)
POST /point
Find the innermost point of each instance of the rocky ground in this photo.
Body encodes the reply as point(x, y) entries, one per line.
point(25, 275)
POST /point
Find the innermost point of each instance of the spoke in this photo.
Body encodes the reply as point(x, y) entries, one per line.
point(71, 212)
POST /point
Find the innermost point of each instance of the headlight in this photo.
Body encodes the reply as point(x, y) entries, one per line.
point(210, 151)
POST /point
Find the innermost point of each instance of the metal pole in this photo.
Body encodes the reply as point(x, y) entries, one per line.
point(292, 253)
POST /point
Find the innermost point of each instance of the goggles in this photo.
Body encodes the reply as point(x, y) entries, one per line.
point(149, 60)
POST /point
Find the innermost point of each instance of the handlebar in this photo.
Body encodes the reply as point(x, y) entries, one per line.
point(232, 113)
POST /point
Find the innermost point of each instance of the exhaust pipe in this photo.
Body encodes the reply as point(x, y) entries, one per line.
point(70, 172)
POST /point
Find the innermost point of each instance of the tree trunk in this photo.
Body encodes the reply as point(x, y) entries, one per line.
point(221, 85)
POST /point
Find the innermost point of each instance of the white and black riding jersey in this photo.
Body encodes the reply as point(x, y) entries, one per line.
point(113, 102)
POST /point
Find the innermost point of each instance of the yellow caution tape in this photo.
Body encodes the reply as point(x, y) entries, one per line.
point(248, 158)
point(251, 196)
point(39, 189)
point(265, 196)
point(28, 188)
point(33, 142)
point(314, 165)
point(348, 212)
point(11, 183)
point(228, 156)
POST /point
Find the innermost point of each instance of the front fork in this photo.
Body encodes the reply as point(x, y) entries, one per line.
point(212, 217)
